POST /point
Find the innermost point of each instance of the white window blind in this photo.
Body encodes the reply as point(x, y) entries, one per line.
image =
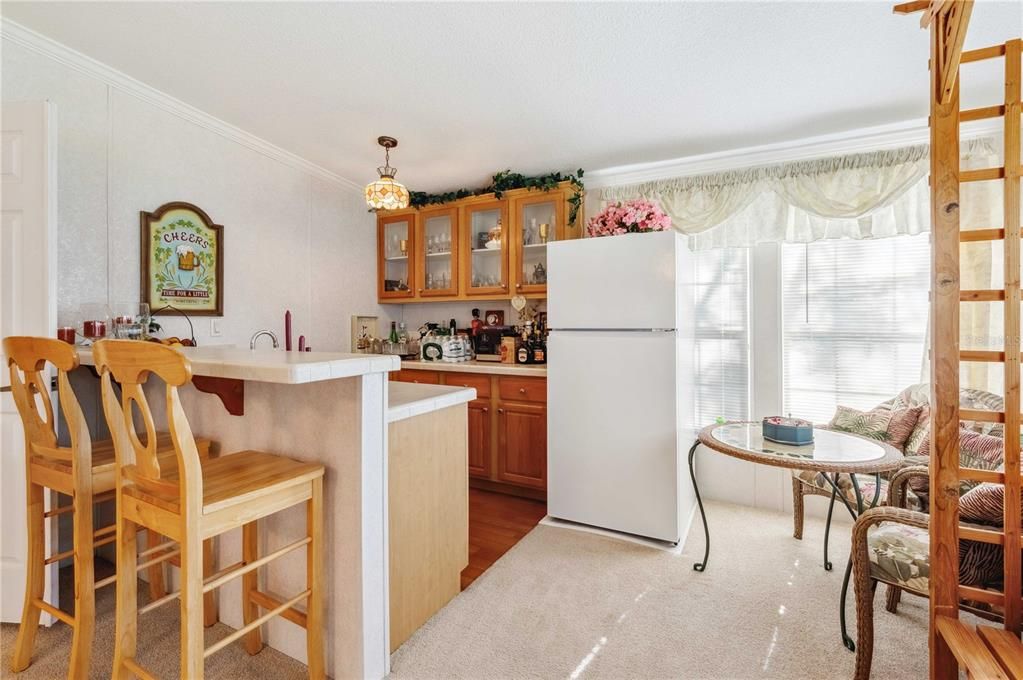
point(854, 322)
point(721, 363)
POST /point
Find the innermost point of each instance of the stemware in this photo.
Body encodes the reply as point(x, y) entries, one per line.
point(130, 320)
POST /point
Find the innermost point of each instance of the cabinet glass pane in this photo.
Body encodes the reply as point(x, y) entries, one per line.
point(485, 241)
point(539, 222)
point(437, 239)
point(396, 251)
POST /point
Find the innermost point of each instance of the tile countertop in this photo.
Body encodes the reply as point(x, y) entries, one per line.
point(276, 366)
point(405, 400)
point(492, 367)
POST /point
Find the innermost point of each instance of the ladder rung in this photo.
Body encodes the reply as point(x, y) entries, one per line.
point(981, 175)
point(981, 295)
point(982, 53)
point(1006, 647)
point(969, 649)
point(981, 416)
point(976, 475)
point(981, 235)
point(981, 355)
point(982, 113)
point(981, 595)
point(981, 535)
point(911, 7)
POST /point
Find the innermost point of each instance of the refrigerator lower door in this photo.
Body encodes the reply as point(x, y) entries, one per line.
point(612, 452)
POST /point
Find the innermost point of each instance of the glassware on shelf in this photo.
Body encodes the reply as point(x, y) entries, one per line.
point(545, 230)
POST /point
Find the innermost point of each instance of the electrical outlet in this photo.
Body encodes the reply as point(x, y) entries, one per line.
point(215, 331)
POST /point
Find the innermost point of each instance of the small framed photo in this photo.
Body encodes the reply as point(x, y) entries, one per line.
point(182, 260)
point(493, 317)
point(363, 327)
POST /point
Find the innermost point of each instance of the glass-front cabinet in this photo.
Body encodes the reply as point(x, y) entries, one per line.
point(437, 253)
point(485, 246)
point(396, 256)
point(536, 221)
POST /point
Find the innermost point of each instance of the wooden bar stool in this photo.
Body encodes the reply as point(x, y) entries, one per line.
point(85, 472)
point(198, 500)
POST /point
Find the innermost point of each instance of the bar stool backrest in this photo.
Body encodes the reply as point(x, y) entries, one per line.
point(130, 363)
point(26, 359)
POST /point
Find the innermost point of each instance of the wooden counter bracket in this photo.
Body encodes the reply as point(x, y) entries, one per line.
point(230, 390)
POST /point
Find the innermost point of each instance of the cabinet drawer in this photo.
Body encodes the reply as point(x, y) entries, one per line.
point(480, 382)
point(523, 389)
point(410, 376)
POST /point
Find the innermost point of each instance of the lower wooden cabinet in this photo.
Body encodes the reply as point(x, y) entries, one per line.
point(522, 443)
point(507, 428)
point(479, 438)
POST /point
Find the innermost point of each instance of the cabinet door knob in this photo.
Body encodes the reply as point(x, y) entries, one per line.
point(504, 286)
point(500, 410)
point(486, 410)
point(420, 290)
point(522, 390)
point(518, 286)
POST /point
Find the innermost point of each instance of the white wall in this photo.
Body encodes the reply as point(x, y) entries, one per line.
point(292, 240)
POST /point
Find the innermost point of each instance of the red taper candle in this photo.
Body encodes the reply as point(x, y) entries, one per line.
point(287, 330)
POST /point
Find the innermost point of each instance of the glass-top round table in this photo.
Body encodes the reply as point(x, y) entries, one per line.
point(831, 453)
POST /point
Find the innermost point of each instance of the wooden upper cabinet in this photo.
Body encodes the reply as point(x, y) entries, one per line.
point(437, 248)
point(447, 256)
point(485, 247)
point(537, 219)
point(396, 255)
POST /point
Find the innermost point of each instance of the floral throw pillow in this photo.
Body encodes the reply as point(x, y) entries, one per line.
point(892, 426)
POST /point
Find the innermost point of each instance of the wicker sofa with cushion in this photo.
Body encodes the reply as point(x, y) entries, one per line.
point(805, 483)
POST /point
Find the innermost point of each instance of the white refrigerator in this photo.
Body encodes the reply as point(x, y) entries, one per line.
point(619, 384)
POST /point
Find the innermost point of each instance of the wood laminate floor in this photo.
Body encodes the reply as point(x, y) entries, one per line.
point(496, 523)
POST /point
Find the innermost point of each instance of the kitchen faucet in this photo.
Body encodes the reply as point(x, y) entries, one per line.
point(255, 336)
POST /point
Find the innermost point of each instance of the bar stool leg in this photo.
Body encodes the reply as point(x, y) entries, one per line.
point(211, 606)
point(314, 582)
point(192, 646)
point(157, 578)
point(34, 580)
point(85, 583)
point(126, 621)
point(250, 583)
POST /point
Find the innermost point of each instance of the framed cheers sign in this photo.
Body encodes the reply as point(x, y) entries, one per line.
point(182, 260)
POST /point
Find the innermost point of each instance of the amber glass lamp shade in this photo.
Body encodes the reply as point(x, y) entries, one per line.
point(386, 194)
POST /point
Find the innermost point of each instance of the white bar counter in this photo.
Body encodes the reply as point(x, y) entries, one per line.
point(406, 400)
point(324, 407)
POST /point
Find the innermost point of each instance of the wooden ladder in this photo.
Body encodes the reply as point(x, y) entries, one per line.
point(982, 651)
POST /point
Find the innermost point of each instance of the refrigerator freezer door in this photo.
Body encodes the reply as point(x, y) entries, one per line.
point(629, 281)
point(612, 459)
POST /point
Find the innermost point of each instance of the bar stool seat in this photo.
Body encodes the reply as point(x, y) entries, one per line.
point(236, 478)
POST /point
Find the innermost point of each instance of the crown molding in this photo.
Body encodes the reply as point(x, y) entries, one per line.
point(37, 42)
point(878, 138)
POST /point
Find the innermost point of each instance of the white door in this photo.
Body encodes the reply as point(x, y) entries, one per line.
point(612, 431)
point(28, 277)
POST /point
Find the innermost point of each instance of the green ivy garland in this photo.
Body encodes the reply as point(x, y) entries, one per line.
point(506, 181)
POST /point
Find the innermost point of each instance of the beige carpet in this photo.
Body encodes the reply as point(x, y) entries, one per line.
point(158, 646)
point(566, 604)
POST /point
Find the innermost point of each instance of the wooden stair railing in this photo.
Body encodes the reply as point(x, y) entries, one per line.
point(983, 652)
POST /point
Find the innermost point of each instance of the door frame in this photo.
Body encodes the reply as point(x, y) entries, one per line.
point(47, 112)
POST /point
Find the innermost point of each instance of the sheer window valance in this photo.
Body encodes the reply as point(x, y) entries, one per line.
point(868, 195)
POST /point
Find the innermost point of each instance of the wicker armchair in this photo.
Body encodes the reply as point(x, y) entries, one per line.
point(890, 545)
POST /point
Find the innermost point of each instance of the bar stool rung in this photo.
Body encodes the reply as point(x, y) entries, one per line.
point(68, 553)
point(221, 580)
point(53, 611)
point(138, 670)
point(105, 582)
point(157, 560)
point(220, 644)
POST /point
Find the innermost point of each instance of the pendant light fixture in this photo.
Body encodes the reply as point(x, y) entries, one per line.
point(385, 193)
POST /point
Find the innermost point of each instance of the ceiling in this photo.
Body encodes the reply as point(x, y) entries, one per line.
point(472, 88)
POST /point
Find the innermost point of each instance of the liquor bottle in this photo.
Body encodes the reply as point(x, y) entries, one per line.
point(539, 349)
point(522, 355)
point(476, 323)
point(393, 337)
